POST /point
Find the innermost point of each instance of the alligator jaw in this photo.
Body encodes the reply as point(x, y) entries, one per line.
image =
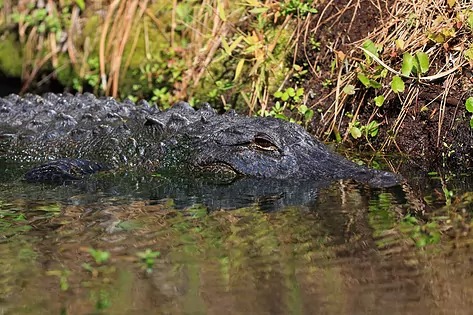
point(219, 168)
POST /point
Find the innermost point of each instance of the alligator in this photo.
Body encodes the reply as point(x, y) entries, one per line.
point(67, 137)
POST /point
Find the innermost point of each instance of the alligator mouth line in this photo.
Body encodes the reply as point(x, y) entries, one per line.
point(219, 168)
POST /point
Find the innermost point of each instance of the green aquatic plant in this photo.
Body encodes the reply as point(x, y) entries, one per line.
point(422, 233)
point(63, 275)
point(99, 265)
point(99, 256)
point(148, 258)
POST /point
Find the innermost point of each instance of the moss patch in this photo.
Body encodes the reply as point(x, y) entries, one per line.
point(11, 59)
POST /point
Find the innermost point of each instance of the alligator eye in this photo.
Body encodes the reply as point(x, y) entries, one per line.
point(264, 144)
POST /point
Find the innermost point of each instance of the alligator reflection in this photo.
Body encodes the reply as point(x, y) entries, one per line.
point(264, 194)
point(340, 248)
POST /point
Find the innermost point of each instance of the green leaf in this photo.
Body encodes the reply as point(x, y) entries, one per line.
point(349, 89)
point(469, 104)
point(375, 84)
point(471, 123)
point(397, 85)
point(259, 10)
point(302, 109)
point(364, 79)
point(278, 94)
point(423, 61)
point(379, 100)
point(81, 4)
point(372, 128)
point(285, 96)
point(470, 20)
point(371, 47)
point(239, 68)
point(309, 114)
point(355, 132)
point(221, 11)
point(291, 92)
point(225, 46)
point(407, 64)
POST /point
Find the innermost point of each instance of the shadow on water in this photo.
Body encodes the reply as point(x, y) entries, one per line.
point(134, 243)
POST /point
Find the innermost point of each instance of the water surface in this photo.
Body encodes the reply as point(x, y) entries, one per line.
point(247, 247)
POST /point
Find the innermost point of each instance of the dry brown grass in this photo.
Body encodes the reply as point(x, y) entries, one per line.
point(220, 34)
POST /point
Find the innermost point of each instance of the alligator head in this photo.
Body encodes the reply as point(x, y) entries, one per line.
point(269, 148)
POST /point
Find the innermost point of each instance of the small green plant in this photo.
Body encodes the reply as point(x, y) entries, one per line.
point(91, 78)
point(46, 20)
point(357, 130)
point(298, 7)
point(290, 95)
point(63, 276)
point(422, 233)
point(299, 71)
point(100, 258)
point(327, 83)
point(148, 258)
point(291, 100)
point(417, 64)
point(448, 195)
point(469, 108)
point(314, 43)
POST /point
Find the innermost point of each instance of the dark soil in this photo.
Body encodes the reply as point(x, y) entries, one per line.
point(339, 29)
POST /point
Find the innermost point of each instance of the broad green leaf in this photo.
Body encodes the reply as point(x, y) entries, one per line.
point(379, 100)
point(349, 89)
point(375, 84)
point(469, 104)
point(372, 128)
point(423, 61)
point(278, 94)
point(300, 92)
point(291, 92)
point(407, 64)
point(239, 68)
point(302, 109)
point(400, 44)
point(81, 4)
point(371, 47)
point(397, 85)
point(364, 79)
point(309, 114)
point(355, 132)
point(285, 96)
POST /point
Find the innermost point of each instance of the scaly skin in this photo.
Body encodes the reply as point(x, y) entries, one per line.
point(72, 136)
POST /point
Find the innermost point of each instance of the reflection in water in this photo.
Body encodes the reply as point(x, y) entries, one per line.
point(247, 247)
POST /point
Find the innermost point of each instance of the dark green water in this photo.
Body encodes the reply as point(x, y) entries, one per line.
point(248, 247)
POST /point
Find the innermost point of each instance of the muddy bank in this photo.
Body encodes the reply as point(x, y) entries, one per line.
point(428, 122)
